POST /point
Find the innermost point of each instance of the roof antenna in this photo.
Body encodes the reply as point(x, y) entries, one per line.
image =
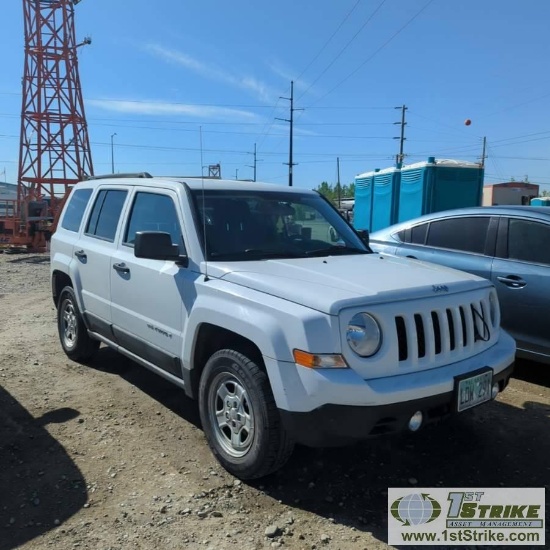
point(203, 214)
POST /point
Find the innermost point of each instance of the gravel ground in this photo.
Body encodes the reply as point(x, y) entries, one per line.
point(110, 456)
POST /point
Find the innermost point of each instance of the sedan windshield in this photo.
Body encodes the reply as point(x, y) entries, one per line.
point(258, 225)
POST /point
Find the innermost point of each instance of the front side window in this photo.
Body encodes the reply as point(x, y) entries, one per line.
point(528, 241)
point(466, 234)
point(105, 214)
point(153, 212)
point(75, 209)
point(241, 225)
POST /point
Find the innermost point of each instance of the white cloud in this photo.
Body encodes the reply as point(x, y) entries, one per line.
point(281, 128)
point(214, 72)
point(166, 108)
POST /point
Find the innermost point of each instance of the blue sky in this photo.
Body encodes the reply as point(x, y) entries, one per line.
point(156, 72)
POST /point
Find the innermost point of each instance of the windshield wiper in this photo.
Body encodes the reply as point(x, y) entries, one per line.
point(335, 251)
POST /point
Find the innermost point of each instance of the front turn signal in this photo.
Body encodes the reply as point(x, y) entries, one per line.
point(319, 361)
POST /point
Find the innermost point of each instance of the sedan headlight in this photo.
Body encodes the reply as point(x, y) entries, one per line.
point(364, 335)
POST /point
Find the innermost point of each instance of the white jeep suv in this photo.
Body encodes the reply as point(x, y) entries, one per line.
point(265, 305)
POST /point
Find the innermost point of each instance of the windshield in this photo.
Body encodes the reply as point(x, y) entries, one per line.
point(243, 225)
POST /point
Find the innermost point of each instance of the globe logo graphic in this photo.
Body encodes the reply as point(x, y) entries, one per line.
point(415, 509)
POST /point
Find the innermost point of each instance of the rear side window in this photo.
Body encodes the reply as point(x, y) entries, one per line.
point(528, 241)
point(75, 209)
point(418, 233)
point(414, 235)
point(153, 212)
point(106, 214)
point(464, 234)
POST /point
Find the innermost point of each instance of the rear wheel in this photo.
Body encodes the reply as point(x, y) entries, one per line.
point(240, 418)
point(73, 335)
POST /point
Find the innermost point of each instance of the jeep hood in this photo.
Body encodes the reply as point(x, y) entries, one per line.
point(329, 284)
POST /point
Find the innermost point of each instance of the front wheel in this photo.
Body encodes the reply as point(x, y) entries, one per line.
point(239, 416)
point(73, 335)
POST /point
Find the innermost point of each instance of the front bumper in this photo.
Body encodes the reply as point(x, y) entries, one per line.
point(337, 425)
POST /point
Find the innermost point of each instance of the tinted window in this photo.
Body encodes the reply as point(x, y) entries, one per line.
point(464, 234)
point(105, 214)
point(152, 212)
point(403, 235)
point(528, 241)
point(418, 233)
point(75, 209)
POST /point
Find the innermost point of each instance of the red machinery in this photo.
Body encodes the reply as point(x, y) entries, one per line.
point(54, 149)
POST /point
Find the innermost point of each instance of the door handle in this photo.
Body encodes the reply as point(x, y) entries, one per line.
point(121, 268)
point(412, 257)
point(80, 254)
point(513, 281)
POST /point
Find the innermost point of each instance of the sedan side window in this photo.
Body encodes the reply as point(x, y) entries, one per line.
point(528, 241)
point(153, 212)
point(418, 233)
point(467, 234)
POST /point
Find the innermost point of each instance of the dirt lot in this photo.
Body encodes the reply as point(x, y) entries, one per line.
point(110, 456)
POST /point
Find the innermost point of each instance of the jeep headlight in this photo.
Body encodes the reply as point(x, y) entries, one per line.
point(364, 335)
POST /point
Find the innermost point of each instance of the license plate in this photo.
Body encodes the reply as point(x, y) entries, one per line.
point(474, 390)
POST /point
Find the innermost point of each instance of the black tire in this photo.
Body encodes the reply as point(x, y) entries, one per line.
point(253, 443)
point(73, 335)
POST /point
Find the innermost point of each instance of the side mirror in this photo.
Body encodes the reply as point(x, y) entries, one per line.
point(364, 236)
point(157, 245)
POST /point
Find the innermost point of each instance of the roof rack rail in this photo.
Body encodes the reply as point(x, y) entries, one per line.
point(127, 175)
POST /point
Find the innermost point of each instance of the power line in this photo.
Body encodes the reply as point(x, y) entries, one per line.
point(327, 42)
point(399, 31)
point(348, 43)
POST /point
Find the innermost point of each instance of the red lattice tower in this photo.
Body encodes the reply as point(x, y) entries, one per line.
point(55, 148)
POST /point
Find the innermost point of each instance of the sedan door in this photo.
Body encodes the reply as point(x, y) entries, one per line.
point(521, 274)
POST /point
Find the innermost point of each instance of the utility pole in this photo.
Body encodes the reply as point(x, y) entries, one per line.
point(338, 188)
point(483, 155)
point(254, 164)
point(112, 154)
point(236, 173)
point(291, 121)
point(399, 158)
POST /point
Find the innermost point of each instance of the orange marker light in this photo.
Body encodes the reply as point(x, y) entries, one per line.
point(319, 361)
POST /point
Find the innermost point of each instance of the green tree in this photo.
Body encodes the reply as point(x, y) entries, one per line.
point(327, 190)
point(331, 191)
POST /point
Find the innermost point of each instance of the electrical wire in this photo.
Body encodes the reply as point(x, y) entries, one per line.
point(327, 42)
point(392, 37)
point(348, 43)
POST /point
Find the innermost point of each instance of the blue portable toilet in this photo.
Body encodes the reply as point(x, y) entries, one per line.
point(362, 210)
point(438, 185)
point(540, 201)
point(376, 199)
point(385, 201)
